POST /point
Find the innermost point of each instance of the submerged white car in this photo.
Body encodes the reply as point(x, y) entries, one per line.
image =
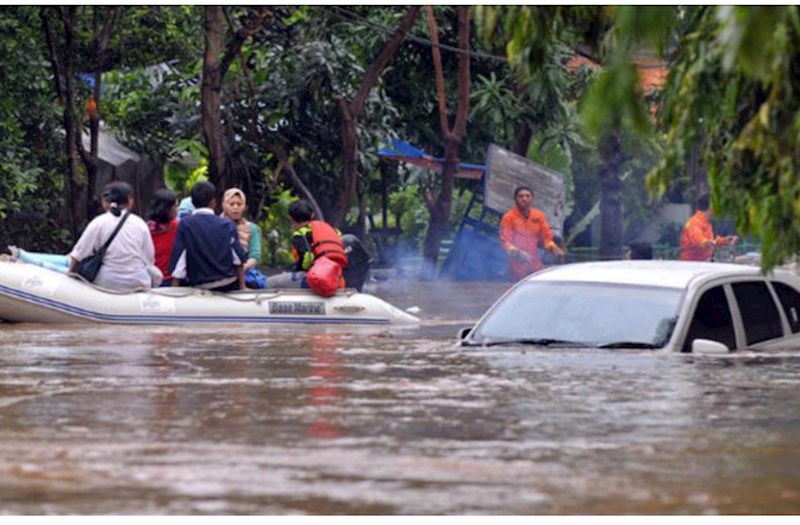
point(668, 305)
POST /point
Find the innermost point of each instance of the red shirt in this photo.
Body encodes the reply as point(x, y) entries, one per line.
point(163, 238)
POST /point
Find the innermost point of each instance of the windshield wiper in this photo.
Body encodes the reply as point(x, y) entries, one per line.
point(533, 341)
point(628, 344)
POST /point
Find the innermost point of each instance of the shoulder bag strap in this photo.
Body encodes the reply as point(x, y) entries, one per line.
point(116, 230)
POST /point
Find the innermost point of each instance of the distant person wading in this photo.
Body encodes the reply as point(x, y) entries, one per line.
point(522, 230)
point(698, 242)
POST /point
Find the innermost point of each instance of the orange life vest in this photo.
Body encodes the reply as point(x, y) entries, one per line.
point(326, 242)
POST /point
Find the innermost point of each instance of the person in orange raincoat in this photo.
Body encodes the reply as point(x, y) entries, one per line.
point(522, 230)
point(697, 238)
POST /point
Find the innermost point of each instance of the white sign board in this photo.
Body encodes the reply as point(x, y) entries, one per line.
point(505, 171)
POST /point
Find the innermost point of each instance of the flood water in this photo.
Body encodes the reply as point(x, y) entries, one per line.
point(342, 420)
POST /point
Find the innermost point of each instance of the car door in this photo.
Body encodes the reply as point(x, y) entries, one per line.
point(789, 300)
point(711, 319)
point(761, 316)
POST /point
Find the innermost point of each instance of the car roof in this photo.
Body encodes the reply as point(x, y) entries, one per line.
point(669, 274)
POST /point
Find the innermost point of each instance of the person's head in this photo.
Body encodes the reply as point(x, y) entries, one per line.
point(163, 206)
point(640, 250)
point(523, 197)
point(118, 195)
point(704, 204)
point(204, 195)
point(233, 204)
point(300, 212)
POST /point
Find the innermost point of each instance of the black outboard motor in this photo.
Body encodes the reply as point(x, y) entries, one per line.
point(358, 261)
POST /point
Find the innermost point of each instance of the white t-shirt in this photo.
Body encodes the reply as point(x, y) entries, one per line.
point(128, 256)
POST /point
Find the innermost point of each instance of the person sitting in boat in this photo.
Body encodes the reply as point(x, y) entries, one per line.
point(51, 261)
point(207, 252)
point(129, 261)
point(163, 225)
point(233, 207)
point(312, 242)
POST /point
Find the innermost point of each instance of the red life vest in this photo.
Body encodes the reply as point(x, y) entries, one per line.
point(326, 242)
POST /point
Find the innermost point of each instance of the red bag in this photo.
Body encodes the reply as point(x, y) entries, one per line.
point(323, 277)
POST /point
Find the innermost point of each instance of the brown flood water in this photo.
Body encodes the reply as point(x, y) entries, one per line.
point(343, 420)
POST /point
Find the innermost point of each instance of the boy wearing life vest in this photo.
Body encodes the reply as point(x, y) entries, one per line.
point(318, 251)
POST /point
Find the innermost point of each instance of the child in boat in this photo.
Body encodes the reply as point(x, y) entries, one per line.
point(163, 225)
point(312, 241)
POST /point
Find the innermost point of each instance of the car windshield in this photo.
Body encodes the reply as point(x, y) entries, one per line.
point(609, 315)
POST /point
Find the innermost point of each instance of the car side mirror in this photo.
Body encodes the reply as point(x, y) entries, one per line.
point(709, 347)
point(464, 332)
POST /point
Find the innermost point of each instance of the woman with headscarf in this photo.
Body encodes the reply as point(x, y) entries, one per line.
point(234, 205)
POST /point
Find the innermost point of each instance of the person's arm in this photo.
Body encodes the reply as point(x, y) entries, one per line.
point(254, 249)
point(695, 237)
point(148, 247)
point(730, 239)
point(240, 275)
point(239, 255)
point(547, 238)
point(85, 245)
point(177, 259)
point(506, 228)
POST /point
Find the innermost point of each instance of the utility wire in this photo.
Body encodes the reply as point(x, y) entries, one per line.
point(349, 16)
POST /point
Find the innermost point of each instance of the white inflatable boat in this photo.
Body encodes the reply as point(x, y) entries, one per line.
point(29, 293)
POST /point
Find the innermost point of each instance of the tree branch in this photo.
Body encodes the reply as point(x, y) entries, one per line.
point(462, 113)
point(375, 69)
point(437, 66)
point(251, 26)
point(55, 63)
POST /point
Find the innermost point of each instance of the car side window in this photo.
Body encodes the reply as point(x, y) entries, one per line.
point(790, 299)
point(711, 320)
point(759, 312)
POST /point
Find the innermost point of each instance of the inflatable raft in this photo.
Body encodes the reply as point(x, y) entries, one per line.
point(30, 293)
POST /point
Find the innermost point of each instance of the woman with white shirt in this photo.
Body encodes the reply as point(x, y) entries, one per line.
point(129, 260)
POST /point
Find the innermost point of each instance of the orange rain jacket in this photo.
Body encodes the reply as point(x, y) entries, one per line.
point(525, 234)
point(697, 231)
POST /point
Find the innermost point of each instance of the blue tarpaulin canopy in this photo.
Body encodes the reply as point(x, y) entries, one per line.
point(405, 152)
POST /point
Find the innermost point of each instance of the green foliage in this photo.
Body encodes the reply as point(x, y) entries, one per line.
point(277, 230)
point(30, 183)
point(154, 109)
point(740, 103)
point(409, 206)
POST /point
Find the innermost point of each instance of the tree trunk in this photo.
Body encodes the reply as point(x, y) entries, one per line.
point(64, 83)
point(211, 97)
point(351, 112)
point(440, 206)
point(214, 70)
point(100, 42)
point(70, 127)
point(285, 167)
point(523, 142)
point(610, 198)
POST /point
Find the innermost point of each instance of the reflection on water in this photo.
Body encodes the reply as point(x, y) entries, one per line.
point(232, 419)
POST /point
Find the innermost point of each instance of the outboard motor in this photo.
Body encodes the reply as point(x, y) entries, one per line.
point(358, 261)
